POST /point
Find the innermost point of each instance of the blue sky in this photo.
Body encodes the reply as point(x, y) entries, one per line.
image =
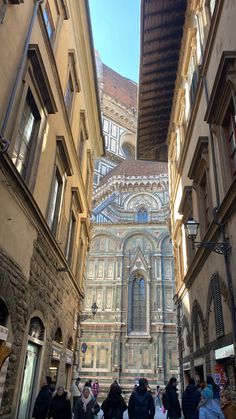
point(116, 34)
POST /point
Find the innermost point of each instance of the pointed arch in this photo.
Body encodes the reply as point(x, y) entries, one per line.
point(137, 309)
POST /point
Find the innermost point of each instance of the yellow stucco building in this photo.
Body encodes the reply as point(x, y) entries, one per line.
point(51, 133)
point(192, 45)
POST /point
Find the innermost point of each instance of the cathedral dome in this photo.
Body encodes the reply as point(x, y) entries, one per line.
point(137, 168)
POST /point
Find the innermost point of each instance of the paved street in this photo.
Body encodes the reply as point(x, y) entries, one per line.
point(159, 415)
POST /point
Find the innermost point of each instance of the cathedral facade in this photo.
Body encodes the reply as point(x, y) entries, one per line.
point(130, 271)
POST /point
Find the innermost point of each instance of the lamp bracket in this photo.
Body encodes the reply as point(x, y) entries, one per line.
point(222, 248)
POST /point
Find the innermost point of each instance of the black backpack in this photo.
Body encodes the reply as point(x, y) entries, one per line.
point(141, 407)
point(115, 413)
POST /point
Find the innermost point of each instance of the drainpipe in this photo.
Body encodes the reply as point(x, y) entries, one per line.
point(4, 142)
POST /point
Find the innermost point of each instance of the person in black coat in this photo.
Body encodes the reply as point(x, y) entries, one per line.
point(114, 405)
point(141, 404)
point(190, 401)
point(43, 400)
point(60, 407)
point(172, 401)
point(86, 407)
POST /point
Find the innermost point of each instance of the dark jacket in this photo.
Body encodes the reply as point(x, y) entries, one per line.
point(141, 404)
point(114, 404)
point(60, 407)
point(172, 402)
point(42, 403)
point(191, 398)
point(92, 408)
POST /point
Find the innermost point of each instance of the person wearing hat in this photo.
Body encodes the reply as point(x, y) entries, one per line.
point(209, 408)
point(141, 404)
point(43, 399)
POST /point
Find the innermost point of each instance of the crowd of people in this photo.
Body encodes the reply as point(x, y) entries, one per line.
point(204, 401)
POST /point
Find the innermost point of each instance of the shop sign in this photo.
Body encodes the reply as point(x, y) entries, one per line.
point(186, 366)
point(56, 353)
point(3, 333)
point(224, 352)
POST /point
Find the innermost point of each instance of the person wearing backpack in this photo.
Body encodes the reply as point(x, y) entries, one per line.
point(171, 401)
point(114, 406)
point(141, 404)
point(190, 400)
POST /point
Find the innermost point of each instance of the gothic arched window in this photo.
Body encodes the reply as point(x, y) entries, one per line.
point(142, 215)
point(138, 318)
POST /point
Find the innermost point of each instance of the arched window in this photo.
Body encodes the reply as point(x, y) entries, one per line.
point(138, 318)
point(3, 313)
point(142, 215)
point(58, 336)
point(36, 328)
point(70, 344)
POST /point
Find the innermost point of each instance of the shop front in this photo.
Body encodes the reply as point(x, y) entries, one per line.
point(224, 369)
point(187, 373)
point(68, 369)
point(5, 350)
point(199, 370)
point(55, 363)
point(31, 371)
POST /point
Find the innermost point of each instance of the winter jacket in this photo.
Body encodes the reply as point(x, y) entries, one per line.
point(42, 403)
point(60, 407)
point(91, 409)
point(141, 404)
point(190, 400)
point(172, 402)
point(210, 409)
point(114, 405)
point(229, 410)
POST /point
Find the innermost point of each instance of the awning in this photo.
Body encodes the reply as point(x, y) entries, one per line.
point(162, 24)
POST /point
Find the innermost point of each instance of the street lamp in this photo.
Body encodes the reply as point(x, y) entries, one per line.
point(191, 229)
point(94, 309)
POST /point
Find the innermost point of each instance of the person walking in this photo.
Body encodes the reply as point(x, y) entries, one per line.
point(60, 407)
point(43, 399)
point(157, 397)
point(209, 408)
point(114, 405)
point(227, 405)
point(76, 391)
point(171, 403)
point(95, 389)
point(86, 407)
point(215, 387)
point(141, 404)
point(190, 401)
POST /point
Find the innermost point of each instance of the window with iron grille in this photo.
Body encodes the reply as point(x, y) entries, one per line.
point(216, 294)
point(36, 328)
point(3, 313)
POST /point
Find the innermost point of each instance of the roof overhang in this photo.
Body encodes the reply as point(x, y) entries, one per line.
point(162, 23)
